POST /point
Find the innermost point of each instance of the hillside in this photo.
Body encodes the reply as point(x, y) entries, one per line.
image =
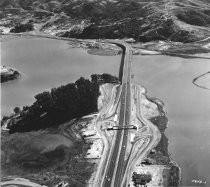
point(143, 20)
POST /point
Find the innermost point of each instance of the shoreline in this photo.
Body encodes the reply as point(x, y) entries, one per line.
point(157, 161)
point(148, 48)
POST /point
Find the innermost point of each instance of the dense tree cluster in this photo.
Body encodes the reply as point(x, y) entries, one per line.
point(22, 28)
point(61, 104)
point(104, 78)
point(141, 179)
point(194, 17)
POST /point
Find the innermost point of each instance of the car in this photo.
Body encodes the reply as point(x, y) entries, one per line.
point(107, 178)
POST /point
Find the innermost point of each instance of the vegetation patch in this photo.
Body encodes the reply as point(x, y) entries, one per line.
point(59, 105)
point(177, 20)
point(46, 157)
point(22, 28)
point(8, 74)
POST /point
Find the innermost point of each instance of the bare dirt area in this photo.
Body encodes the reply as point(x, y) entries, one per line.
point(199, 49)
point(107, 104)
point(146, 150)
point(160, 174)
point(150, 159)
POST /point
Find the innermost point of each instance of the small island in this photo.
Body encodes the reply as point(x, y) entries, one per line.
point(8, 74)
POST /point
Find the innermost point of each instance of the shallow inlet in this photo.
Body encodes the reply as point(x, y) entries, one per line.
point(187, 107)
point(44, 64)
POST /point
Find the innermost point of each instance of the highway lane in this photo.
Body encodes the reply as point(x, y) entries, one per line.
point(115, 169)
point(122, 162)
point(116, 166)
point(106, 116)
point(109, 175)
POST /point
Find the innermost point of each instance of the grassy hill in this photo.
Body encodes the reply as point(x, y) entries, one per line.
point(143, 20)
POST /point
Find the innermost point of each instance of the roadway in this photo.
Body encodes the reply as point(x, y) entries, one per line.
point(115, 170)
point(116, 164)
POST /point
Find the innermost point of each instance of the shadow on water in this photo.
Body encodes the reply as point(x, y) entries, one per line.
point(121, 66)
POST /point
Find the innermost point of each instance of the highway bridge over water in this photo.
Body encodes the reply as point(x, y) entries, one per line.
point(117, 155)
point(117, 163)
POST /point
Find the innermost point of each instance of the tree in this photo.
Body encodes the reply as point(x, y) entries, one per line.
point(44, 100)
point(61, 104)
point(22, 28)
point(16, 110)
point(141, 179)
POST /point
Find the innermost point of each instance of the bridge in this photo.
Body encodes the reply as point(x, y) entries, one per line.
point(115, 169)
point(118, 154)
point(121, 127)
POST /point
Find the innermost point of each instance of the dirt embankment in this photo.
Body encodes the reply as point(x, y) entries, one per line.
point(157, 165)
point(160, 156)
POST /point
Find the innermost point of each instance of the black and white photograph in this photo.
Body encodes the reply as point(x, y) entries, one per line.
point(105, 93)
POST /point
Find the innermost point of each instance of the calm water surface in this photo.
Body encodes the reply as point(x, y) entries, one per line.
point(187, 106)
point(46, 63)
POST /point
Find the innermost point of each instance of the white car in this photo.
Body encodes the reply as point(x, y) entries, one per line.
point(107, 178)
